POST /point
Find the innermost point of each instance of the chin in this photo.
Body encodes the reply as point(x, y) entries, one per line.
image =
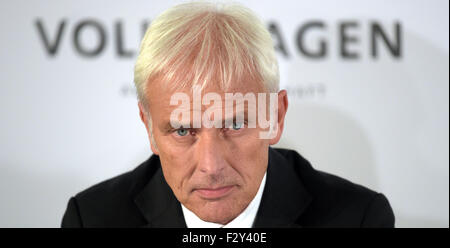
point(216, 217)
point(218, 212)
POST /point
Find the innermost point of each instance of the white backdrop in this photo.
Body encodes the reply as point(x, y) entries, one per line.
point(69, 117)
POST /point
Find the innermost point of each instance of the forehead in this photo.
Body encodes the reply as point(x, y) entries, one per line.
point(158, 96)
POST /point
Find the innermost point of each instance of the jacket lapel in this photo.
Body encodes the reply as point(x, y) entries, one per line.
point(284, 198)
point(158, 204)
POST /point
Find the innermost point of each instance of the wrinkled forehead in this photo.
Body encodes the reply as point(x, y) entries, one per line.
point(160, 92)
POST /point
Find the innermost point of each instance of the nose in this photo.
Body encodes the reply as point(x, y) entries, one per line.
point(210, 152)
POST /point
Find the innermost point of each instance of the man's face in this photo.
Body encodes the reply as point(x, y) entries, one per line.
point(214, 172)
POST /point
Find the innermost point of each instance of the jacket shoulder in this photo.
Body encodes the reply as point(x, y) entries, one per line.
point(319, 181)
point(125, 183)
point(111, 202)
point(335, 200)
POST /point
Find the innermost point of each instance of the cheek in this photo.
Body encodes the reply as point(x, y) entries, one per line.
point(176, 168)
point(249, 158)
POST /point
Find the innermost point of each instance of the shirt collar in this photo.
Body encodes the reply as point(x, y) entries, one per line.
point(243, 220)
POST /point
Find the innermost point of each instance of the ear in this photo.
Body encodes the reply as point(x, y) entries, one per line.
point(145, 120)
point(282, 109)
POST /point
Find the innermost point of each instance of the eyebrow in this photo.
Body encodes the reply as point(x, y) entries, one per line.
point(234, 119)
point(168, 126)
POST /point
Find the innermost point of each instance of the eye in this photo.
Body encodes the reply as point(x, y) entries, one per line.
point(237, 126)
point(182, 132)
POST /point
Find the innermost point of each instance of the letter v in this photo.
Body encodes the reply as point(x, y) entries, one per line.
point(51, 47)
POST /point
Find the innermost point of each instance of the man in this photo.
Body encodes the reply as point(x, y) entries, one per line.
point(213, 165)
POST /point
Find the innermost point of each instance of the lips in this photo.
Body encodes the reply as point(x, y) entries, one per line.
point(214, 193)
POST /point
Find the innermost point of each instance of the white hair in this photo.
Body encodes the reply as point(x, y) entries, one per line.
point(199, 43)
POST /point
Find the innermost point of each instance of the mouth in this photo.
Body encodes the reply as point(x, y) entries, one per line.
point(214, 193)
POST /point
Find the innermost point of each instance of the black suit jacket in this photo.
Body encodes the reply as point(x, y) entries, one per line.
point(295, 195)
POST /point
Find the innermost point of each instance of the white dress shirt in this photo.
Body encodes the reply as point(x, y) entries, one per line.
point(243, 220)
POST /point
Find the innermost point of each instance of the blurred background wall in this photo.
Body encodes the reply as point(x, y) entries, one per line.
point(368, 83)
